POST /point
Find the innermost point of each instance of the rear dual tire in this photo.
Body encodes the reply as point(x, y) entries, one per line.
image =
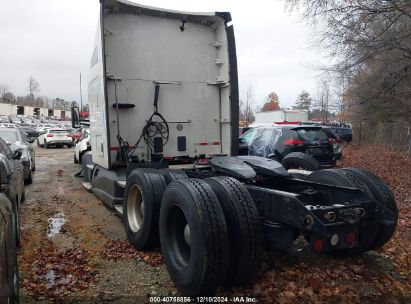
point(225, 241)
point(381, 193)
point(194, 237)
point(209, 230)
point(244, 229)
point(141, 207)
point(372, 234)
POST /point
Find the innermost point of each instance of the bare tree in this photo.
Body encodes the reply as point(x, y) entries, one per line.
point(33, 88)
point(369, 43)
point(323, 99)
point(247, 105)
point(4, 88)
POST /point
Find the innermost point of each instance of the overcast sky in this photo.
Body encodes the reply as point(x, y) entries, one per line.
point(52, 41)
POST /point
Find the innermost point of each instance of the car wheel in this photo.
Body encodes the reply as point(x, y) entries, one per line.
point(69, 146)
point(244, 229)
point(381, 193)
point(16, 223)
point(15, 292)
point(194, 237)
point(368, 228)
point(299, 160)
point(141, 205)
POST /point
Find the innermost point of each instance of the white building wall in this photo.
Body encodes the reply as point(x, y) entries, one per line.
point(269, 116)
point(7, 109)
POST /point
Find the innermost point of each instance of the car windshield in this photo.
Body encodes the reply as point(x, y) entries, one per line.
point(311, 134)
point(9, 135)
point(247, 135)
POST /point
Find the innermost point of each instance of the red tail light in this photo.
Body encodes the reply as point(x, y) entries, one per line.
point(331, 140)
point(50, 135)
point(350, 238)
point(293, 142)
point(318, 245)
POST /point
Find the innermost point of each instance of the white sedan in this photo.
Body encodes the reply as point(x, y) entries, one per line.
point(82, 146)
point(55, 137)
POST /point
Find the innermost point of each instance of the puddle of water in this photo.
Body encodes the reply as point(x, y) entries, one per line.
point(53, 280)
point(55, 224)
point(50, 278)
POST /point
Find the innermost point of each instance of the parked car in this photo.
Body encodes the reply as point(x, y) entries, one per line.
point(344, 133)
point(9, 270)
point(55, 137)
point(11, 179)
point(75, 135)
point(306, 147)
point(4, 119)
point(41, 128)
point(30, 133)
point(82, 145)
point(18, 141)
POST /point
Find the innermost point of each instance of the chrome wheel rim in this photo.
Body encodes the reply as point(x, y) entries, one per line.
point(135, 208)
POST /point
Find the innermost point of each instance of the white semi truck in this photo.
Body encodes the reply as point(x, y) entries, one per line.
point(164, 91)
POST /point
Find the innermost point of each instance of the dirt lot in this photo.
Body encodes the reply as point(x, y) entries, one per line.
point(74, 249)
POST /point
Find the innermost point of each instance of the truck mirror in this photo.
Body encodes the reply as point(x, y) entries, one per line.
point(75, 117)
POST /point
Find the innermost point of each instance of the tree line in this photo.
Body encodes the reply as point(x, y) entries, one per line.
point(369, 45)
point(33, 98)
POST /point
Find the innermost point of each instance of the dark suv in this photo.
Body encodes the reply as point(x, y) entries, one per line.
point(279, 141)
point(344, 133)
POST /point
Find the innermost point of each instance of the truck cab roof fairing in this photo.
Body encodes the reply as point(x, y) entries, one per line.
point(116, 5)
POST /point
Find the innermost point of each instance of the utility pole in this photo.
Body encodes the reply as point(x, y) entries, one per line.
point(81, 99)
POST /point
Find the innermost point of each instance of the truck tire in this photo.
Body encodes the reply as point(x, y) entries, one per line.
point(299, 160)
point(368, 228)
point(194, 237)
point(381, 193)
point(245, 235)
point(142, 199)
point(170, 175)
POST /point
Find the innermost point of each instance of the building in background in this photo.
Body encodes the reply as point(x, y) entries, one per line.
point(281, 115)
point(14, 109)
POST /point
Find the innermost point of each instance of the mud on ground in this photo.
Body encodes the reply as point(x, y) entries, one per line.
point(74, 249)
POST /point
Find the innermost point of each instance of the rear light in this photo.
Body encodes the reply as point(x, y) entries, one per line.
point(203, 161)
point(50, 135)
point(331, 140)
point(350, 238)
point(318, 245)
point(293, 142)
point(68, 135)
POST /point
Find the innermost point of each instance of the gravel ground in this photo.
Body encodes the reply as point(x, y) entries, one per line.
point(59, 215)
